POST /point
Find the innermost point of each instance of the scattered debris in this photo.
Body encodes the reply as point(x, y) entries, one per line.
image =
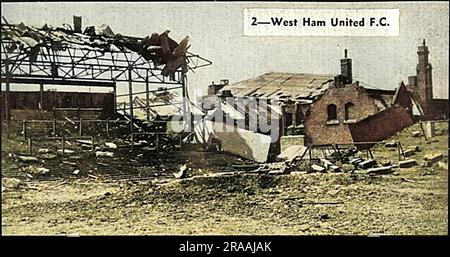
point(355, 161)
point(326, 163)
point(104, 154)
point(27, 158)
point(367, 164)
point(69, 163)
point(43, 151)
point(409, 152)
point(76, 172)
point(391, 144)
point(430, 159)
point(86, 147)
point(111, 145)
point(407, 163)
point(66, 151)
point(277, 172)
point(34, 170)
point(84, 142)
point(48, 156)
point(69, 120)
point(92, 176)
point(11, 183)
point(407, 180)
point(182, 172)
point(380, 170)
point(335, 168)
point(318, 168)
point(416, 134)
point(443, 165)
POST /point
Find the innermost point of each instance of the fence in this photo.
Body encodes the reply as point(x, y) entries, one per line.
point(63, 142)
point(73, 127)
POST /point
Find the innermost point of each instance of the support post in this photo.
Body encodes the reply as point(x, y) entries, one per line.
point(30, 146)
point(41, 94)
point(80, 128)
point(132, 142)
point(423, 131)
point(54, 127)
point(186, 120)
point(157, 142)
point(115, 95)
point(147, 97)
point(107, 128)
point(283, 119)
point(24, 129)
point(370, 152)
point(7, 111)
point(130, 98)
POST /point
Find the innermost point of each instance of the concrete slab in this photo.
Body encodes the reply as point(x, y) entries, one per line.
point(245, 143)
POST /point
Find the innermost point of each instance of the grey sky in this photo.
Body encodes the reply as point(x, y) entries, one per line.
point(216, 31)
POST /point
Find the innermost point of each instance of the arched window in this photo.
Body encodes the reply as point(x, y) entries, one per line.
point(331, 111)
point(349, 111)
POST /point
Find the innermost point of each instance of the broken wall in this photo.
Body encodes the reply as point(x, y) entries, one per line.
point(320, 130)
point(381, 125)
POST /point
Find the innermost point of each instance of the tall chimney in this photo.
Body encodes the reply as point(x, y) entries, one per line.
point(77, 24)
point(346, 69)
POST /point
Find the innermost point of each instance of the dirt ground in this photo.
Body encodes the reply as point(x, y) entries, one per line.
point(411, 201)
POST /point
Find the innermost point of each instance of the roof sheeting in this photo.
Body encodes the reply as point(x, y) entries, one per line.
point(158, 48)
point(280, 85)
point(295, 86)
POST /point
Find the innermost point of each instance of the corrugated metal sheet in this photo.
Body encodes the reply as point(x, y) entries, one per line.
point(279, 85)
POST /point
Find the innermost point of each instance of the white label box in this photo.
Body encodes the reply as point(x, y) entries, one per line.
point(322, 22)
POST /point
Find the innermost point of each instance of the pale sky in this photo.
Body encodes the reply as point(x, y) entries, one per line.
point(216, 32)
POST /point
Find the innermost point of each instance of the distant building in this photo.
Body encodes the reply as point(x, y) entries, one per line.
point(421, 88)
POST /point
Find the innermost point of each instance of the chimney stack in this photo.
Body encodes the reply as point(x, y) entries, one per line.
point(346, 69)
point(77, 24)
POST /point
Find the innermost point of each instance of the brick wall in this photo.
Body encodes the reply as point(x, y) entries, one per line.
point(382, 125)
point(319, 132)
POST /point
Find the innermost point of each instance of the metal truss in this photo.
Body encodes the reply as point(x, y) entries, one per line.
point(87, 64)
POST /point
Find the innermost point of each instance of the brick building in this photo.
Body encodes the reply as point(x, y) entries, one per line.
point(318, 108)
point(421, 88)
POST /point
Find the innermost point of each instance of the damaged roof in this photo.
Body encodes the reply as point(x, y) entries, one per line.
point(297, 86)
point(282, 85)
point(158, 48)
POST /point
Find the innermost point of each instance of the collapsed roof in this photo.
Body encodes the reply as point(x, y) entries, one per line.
point(157, 48)
point(282, 85)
